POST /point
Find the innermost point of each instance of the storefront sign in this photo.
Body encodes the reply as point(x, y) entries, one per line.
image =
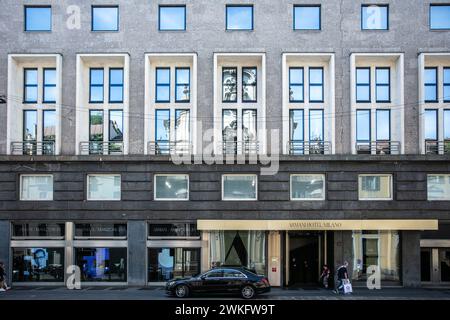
point(317, 224)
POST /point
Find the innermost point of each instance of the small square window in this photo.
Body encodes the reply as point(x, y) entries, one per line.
point(105, 18)
point(239, 187)
point(375, 17)
point(439, 17)
point(307, 18)
point(38, 18)
point(307, 187)
point(104, 187)
point(36, 187)
point(239, 17)
point(375, 187)
point(172, 18)
point(438, 186)
point(171, 187)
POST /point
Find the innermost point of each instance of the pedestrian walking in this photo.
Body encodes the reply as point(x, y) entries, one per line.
point(325, 276)
point(3, 285)
point(342, 276)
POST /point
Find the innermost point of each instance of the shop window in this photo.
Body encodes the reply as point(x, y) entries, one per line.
point(172, 263)
point(172, 187)
point(308, 187)
point(438, 186)
point(101, 230)
point(38, 264)
point(102, 264)
point(36, 187)
point(173, 230)
point(375, 187)
point(38, 230)
point(239, 187)
point(103, 187)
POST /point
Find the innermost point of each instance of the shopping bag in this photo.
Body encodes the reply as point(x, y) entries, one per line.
point(347, 287)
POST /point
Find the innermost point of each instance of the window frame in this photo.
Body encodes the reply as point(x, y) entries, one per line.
point(25, 86)
point(160, 6)
point(43, 124)
point(366, 5)
point(297, 84)
point(162, 84)
point(291, 198)
point(370, 124)
point(436, 111)
point(243, 110)
point(156, 125)
point(182, 84)
point(445, 84)
point(24, 112)
point(391, 186)
point(447, 175)
point(103, 124)
point(96, 85)
point(110, 85)
point(109, 125)
point(316, 85)
point(44, 85)
point(307, 6)
point(37, 6)
point(429, 16)
point(102, 174)
point(239, 175)
point(105, 6)
point(250, 85)
point(376, 124)
point(436, 84)
point(309, 124)
point(223, 85)
point(382, 84)
point(170, 175)
point(241, 6)
point(363, 84)
point(34, 175)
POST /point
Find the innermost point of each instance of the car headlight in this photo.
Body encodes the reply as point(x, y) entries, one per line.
point(171, 283)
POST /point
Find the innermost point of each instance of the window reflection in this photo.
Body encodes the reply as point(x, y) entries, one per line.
point(431, 124)
point(171, 263)
point(229, 126)
point(310, 186)
point(95, 125)
point(182, 89)
point(249, 125)
point(30, 85)
point(296, 88)
point(38, 265)
point(49, 127)
point(182, 125)
point(96, 85)
point(249, 85)
point(229, 82)
point(102, 264)
point(383, 125)
point(315, 125)
point(115, 125)
point(29, 125)
point(239, 17)
point(363, 125)
point(49, 85)
point(162, 85)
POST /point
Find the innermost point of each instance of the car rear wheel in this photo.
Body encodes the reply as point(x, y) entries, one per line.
point(247, 292)
point(182, 291)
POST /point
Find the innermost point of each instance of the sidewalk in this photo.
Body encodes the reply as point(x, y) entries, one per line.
point(158, 293)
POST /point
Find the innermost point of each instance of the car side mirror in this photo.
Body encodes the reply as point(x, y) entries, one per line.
point(203, 277)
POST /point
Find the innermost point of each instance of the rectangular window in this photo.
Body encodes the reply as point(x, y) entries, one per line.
point(115, 125)
point(172, 18)
point(296, 131)
point(103, 187)
point(431, 88)
point(307, 187)
point(102, 264)
point(105, 18)
point(95, 125)
point(49, 125)
point(363, 125)
point(171, 187)
point(30, 85)
point(446, 84)
point(447, 125)
point(239, 187)
point(162, 85)
point(38, 18)
point(439, 17)
point(116, 85)
point(49, 95)
point(375, 187)
point(229, 84)
point(363, 85)
point(239, 17)
point(438, 186)
point(96, 79)
point(36, 187)
point(182, 84)
point(316, 84)
point(296, 84)
point(374, 17)
point(40, 264)
point(182, 126)
point(431, 124)
point(165, 264)
point(249, 125)
point(229, 127)
point(383, 84)
point(101, 230)
point(315, 125)
point(38, 230)
point(249, 88)
point(162, 125)
point(383, 125)
point(29, 125)
point(173, 230)
point(307, 17)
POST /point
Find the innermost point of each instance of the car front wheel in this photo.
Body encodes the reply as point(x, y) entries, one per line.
point(182, 291)
point(247, 292)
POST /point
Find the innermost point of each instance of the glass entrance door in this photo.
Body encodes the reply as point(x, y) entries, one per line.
point(435, 265)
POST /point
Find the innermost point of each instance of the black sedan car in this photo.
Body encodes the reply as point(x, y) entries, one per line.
point(220, 280)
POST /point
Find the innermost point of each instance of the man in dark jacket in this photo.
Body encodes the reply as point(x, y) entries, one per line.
point(3, 286)
point(342, 274)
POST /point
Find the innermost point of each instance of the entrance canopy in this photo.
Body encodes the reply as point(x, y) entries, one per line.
point(317, 224)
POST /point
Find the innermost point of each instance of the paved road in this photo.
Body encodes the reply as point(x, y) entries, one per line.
point(157, 293)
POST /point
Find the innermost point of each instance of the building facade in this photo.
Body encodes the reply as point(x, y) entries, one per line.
point(137, 138)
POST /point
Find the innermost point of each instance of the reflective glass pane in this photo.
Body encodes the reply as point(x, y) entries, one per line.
point(172, 263)
point(182, 84)
point(102, 264)
point(229, 85)
point(183, 93)
point(383, 125)
point(446, 75)
point(104, 187)
point(239, 187)
point(37, 230)
point(229, 125)
point(438, 187)
point(296, 93)
point(316, 76)
point(38, 264)
point(95, 125)
point(96, 94)
point(38, 187)
point(172, 187)
point(315, 93)
point(115, 125)
point(116, 94)
point(173, 230)
point(239, 17)
point(375, 187)
point(430, 124)
point(162, 130)
point(430, 93)
point(363, 125)
point(49, 77)
point(97, 76)
point(446, 94)
point(439, 17)
point(362, 76)
point(374, 17)
point(307, 18)
point(296, 125)
point(162, 93)
point(296, 75)
point(38, 19)
point(431, 76)
point(308, 186)
point(100, 230)
point(315, 125)
point(162, 76)
point(249, 84)
point(49, 94)
point(49, 127)
point(382, 93)
point(29, 125)
point(362, 93)
point(249, 125)
point(183, 75)
point(31, 94)
point(172, 18)
point(116, 76)
point(105, 18)
point(382, 76)
point(446, 124)
point(182, 124)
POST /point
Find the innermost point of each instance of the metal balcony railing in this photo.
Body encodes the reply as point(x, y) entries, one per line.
point(102, 148)
point(33, 148)
point(169, 147)
point(437, 147)
point(378, 147)
point(239, 147)
point(296, 147)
